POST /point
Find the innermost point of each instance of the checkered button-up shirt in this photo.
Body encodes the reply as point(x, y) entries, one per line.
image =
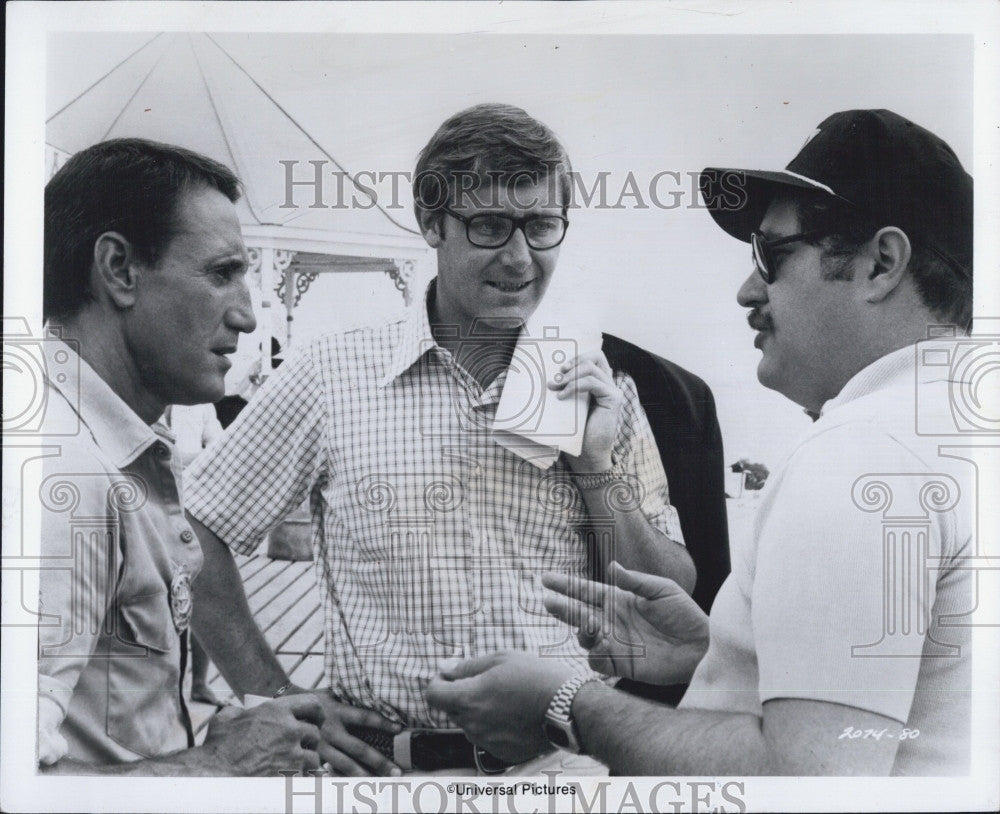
point(430, 537)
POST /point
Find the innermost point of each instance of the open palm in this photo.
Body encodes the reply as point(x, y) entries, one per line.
point(641, 627)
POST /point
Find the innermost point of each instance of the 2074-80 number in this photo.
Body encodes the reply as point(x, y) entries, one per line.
point(877, 734)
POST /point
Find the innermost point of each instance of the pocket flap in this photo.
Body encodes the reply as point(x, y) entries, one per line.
point(149, 620)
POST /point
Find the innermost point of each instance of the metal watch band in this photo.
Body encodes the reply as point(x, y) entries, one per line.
point(598, 480)
point(562, 701)
point(559, 727)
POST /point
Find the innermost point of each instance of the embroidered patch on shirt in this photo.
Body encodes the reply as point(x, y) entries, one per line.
point(180, 598)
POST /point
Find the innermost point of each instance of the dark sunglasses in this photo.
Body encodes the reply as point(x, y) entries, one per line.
point(761, 248)
point(765, 265)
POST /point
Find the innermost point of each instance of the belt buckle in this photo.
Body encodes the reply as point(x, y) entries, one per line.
point(480, 756)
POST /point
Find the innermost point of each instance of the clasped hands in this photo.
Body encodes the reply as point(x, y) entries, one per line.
point(302, 731)
point(639, 626)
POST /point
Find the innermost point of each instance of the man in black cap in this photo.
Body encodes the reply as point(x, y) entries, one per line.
point(840, 644)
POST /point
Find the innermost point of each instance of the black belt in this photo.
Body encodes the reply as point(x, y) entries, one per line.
point(427, 750)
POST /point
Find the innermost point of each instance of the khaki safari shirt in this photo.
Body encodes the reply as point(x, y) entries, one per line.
point(118, 559)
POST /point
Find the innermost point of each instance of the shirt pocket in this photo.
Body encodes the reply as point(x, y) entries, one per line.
point(143, 678)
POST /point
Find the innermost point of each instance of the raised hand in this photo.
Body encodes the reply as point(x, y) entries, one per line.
point(640, 626)
point(590, 373)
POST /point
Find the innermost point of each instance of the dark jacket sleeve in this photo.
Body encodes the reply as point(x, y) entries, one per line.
point(681, 413)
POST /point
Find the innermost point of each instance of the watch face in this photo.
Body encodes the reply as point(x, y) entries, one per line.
point(556, 735)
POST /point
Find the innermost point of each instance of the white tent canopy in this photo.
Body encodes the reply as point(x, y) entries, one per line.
point(186, 89)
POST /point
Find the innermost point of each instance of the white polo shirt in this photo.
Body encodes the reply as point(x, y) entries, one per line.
point(851, 590)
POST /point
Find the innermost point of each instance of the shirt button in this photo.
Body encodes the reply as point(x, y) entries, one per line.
point(187, 535)
point(161, 451)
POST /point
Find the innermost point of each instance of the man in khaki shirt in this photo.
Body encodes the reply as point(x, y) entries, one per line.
point(145, 297)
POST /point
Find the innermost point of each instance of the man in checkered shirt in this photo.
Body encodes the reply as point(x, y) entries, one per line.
point(429, 535)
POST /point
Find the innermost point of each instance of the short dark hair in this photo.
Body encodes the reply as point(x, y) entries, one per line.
point(489, 142)
point(943, 290)
point(127, 185)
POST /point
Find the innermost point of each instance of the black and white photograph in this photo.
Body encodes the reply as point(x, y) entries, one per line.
point(501, 406)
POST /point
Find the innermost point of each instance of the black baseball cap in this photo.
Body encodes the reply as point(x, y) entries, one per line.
point(888, 168)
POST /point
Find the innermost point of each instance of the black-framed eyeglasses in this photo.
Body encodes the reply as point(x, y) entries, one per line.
point(761, 248)
point(491, 231)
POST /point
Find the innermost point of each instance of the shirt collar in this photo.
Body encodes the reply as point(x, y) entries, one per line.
point(890, 369)
point(416, 338)
point(116, 429)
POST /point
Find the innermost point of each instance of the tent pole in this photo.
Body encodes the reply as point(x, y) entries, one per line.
point(289, 291)
point(267, 291)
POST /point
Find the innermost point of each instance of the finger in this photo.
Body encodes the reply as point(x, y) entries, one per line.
point(454, 669)
point(443, 694)
point(339, 762)
point(362, 754)
point(590, 634)
point(353, 716)
point(308, 759)
point(600, 661)
point(602, 362)
point(578, 588)
point(304, 707)
point(577, 369)
point(647, 586)
point(594, 356)
point(311, 737)
point(596, 360)
point(571, 371)
point(571, 611)
point(604, 391)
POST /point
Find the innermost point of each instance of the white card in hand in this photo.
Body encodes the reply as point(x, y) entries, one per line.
point(530, 420)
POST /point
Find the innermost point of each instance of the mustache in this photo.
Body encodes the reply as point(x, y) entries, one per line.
point(759, 321)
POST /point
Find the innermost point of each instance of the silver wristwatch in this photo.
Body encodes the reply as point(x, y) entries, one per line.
point(559, 727)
